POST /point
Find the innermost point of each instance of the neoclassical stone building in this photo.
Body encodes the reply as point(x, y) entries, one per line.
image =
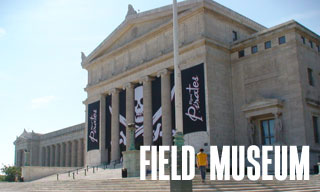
point(62, 148)
point(242, 83)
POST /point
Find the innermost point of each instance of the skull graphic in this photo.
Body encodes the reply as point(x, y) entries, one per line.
point(138, 104)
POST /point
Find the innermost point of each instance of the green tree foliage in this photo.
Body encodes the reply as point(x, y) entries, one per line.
point(11, 172)
point(2, 178)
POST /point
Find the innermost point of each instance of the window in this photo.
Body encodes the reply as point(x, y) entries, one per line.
point(318, 47)
point(282, 40)
point(311, 44)
point(254, 49)
point(303, 40)
point(267, 127)
point(315, 124)
point(267, 44)
point(310, 77)
point(241, 53)
point(234, 35)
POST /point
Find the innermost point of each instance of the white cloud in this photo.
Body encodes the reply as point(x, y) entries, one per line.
point(2, 32)
point(41, 101)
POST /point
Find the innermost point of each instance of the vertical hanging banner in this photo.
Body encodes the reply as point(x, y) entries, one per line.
point(194, 107)
point(108, 125)
point(156, 112)
point(93, 126)
point(122, 121)
point(138, 115)
point(173, 111)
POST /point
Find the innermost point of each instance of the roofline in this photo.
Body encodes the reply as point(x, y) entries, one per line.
point(165, 11)
point(291, 23)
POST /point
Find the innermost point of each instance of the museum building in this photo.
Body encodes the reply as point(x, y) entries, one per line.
point(242, 84)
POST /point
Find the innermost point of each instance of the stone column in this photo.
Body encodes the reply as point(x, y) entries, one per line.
point(22, 157)
point(129, 87)
point(79, 153)
point(166, 107)
point(74, 153)
point(52, 158)
point(17, 158)
point(147, 111)
point(57, 156)
point(48, 157)
point(63, 155)
point(68, 153)
point(44, 161)
point(115, 148)
point(103, 111)
point(40, 156)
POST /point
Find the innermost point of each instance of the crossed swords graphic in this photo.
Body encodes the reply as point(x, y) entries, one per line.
point(139, 130)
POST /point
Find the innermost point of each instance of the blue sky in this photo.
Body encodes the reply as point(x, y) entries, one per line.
point(41, 79)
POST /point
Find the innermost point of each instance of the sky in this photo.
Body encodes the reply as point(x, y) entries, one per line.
point(41, 79)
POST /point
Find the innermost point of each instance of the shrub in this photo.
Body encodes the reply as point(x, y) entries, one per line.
point(2, 178)
point(11, 172)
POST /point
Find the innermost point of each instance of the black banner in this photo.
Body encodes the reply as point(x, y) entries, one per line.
point(194, 107)
point(108, 126)
point(138, 115)
point(93, 126)
point(122, 121)
point(173, 116)
point(156, 112)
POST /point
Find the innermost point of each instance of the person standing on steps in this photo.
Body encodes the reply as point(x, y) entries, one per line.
point(202, 164)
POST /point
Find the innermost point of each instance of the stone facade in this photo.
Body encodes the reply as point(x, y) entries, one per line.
point(241, 92)
point(257, 79)
point(62, 148)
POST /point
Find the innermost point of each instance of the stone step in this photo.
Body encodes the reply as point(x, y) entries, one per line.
point(134, 184)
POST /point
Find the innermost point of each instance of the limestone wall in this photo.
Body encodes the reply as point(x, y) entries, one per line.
point(34, 172)
point(273, 73)
point(309, 57)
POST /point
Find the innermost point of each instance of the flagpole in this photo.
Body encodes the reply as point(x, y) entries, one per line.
point(178, 185)
point(177, 71)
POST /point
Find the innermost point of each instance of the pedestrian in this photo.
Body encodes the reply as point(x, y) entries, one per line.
point(202, 164)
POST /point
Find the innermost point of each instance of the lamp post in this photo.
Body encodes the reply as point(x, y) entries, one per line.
point(178, 185)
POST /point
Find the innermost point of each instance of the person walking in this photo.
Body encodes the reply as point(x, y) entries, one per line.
point(202, 164)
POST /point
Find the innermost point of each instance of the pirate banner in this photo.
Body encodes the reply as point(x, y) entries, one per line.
point(157, 112)
point(108, 125)
point(138, 115)
point(122, 121)
point(173, 104)
point(93, 125)
point(194, 108)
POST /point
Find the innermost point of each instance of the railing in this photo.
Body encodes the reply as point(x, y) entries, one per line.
point(87, 168)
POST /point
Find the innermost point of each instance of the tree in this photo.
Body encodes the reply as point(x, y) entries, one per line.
point(11, 172)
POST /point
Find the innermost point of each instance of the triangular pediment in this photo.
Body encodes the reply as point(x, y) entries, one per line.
point(137, 25)
point(25, 136)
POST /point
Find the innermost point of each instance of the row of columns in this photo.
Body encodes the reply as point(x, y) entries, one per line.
point(147, 112)
point(66, 154)
point(20, 158)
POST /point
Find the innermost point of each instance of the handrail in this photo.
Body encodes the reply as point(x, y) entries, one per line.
point(86, 169)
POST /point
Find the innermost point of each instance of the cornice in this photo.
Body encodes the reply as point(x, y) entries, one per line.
point(273, 32)
point(147, 64)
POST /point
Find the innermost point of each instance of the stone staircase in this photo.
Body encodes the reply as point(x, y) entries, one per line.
point(92, 173)
point(110, 180)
